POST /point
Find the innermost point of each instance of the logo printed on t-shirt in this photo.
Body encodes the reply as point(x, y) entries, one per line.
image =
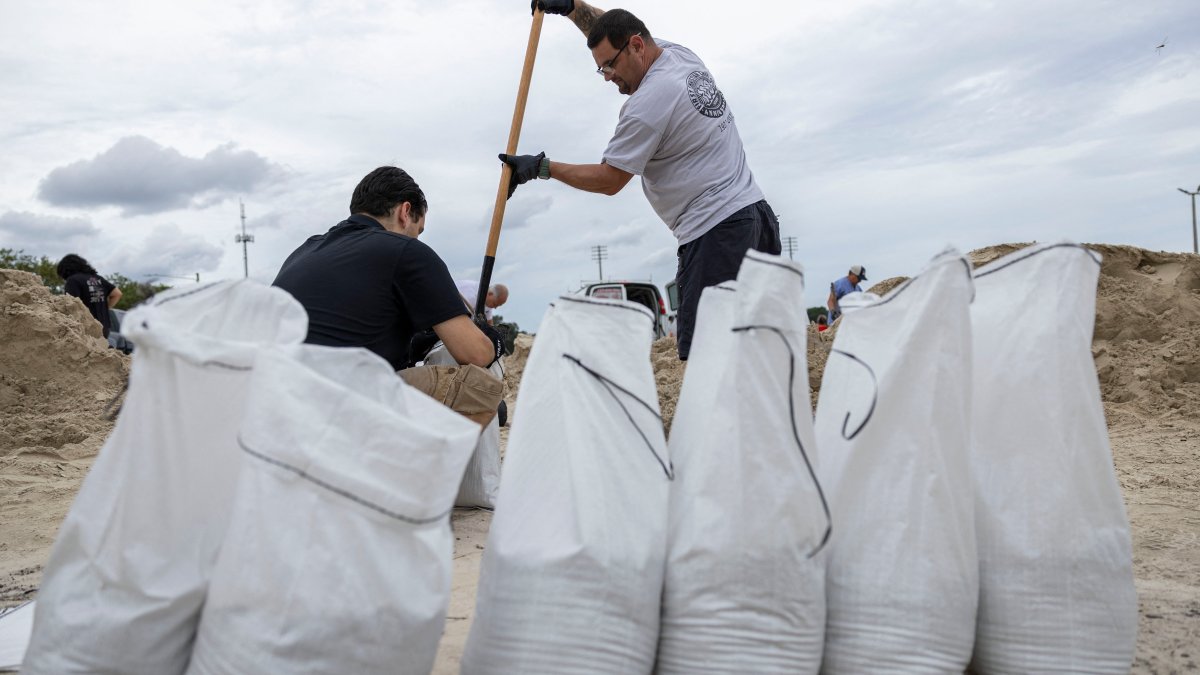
point(709, 100)
point(95, 290)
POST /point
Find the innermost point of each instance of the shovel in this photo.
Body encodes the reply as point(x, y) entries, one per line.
point(514, 134)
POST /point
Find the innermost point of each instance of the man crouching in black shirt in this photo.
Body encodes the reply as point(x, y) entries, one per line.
point(368, 282)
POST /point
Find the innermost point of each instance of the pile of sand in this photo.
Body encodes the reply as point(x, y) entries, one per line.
point(514, 368)
point(56, 376)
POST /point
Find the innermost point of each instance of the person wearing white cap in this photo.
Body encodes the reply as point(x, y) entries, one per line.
point(839, 288)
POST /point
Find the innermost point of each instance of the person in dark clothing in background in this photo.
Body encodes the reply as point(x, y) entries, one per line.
point(368, 282)
point(81, 281)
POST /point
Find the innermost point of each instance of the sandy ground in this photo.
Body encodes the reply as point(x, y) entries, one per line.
point(56, 378)
point(470, 536)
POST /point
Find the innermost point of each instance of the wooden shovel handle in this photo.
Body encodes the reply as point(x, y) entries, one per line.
point(514, 135)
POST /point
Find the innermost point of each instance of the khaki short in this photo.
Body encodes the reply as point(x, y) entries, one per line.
point(469, 390)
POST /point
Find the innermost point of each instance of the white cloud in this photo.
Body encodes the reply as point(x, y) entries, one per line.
point(881, 130)
point(170, 252)
point(40, 234)
point(141, 176)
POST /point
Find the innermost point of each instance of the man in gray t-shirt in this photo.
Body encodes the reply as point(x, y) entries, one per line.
point(677, 132)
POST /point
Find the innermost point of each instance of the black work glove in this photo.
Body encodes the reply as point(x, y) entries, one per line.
point(562, 7)
point(524, 169)
point(420, 346)
point(496, 338)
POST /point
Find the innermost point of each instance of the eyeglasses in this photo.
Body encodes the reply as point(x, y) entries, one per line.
point(607, 67)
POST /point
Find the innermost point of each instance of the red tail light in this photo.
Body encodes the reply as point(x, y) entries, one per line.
point(662, 306)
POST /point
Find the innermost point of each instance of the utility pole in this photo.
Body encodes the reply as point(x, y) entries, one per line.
point(789, 245)
point(242, 239)
point(1195, 243)
point(599, 253)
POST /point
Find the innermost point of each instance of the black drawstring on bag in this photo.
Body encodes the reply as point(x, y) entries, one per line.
point(874, 395)
point(667, 467)
point(796, 430)
point(340, 491)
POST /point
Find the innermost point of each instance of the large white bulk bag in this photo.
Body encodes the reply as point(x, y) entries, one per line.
point(481, 480)
point(571, 578)
point(338, 556)
point(745, 581)
point(893, 432)
point(1056, 567)
point(126, 579)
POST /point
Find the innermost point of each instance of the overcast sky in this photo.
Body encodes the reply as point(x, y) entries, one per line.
point(881, 131)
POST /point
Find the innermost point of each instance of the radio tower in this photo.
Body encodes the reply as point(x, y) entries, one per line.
point(244, 239)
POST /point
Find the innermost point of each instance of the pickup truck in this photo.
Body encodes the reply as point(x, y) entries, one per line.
point(641, 292)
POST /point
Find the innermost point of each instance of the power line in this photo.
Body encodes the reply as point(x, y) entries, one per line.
point(599, 254)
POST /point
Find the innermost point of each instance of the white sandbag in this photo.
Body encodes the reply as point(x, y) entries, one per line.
point(893, 431)
point(1056, 566)
point(481, 481)
point(123, 589)
point(338, 556)
point(16, 625)
point(745, 581)
point(571, 578)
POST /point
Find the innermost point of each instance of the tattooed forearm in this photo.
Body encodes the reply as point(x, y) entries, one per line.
point(585, 16)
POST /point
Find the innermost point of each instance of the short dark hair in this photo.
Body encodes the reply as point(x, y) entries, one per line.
point(618, 26)
point(384, 189)
point(71, 265)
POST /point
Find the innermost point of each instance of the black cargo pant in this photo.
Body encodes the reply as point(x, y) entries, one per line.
point(716, 256)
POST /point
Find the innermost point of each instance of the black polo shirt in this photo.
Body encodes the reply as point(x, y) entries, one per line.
point(363, 286)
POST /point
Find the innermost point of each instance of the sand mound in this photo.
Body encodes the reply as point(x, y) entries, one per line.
point(50, 340)
point(514, 369)
point(54, 360)
point(1147, 340)
point(884, 287)
point(668, 376)
point(514, 364)
point(56, 375)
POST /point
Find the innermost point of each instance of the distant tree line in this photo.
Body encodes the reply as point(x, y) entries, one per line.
point(132, 292)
